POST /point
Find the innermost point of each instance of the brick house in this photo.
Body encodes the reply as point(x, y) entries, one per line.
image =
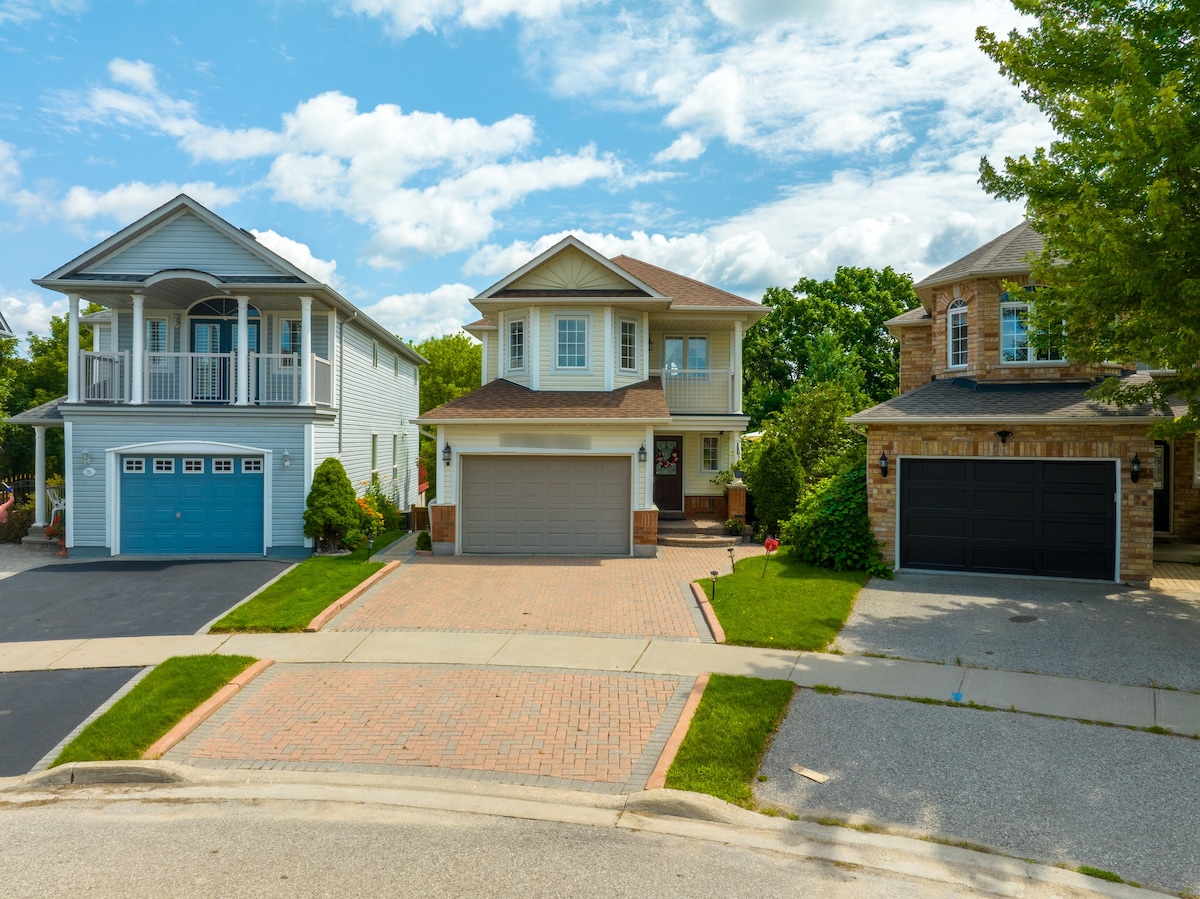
point(997, 460)
point(611, 396)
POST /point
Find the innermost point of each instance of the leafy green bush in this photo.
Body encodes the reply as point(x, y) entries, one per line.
point(830, 528)
point(20, 517)
point(382, 503)
point(424, 541)
point(774, 482)
point(332, 516)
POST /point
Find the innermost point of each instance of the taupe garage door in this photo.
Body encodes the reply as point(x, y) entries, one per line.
point(564, 505)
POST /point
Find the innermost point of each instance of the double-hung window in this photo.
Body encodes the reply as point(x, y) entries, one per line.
point(956, 334)
point(1014, 334)
point(156, 342)
point(629, 346)
point(516, 345)
point(289, 339)
point(571, 343)
point(710, 448)
point(686, 354)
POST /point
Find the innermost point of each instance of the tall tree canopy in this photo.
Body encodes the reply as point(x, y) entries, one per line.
point(1117, 194)
point(817, 323)
point(455, 367)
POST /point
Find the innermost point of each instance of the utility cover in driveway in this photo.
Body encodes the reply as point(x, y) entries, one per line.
point(1010, 516)
point(546, 505)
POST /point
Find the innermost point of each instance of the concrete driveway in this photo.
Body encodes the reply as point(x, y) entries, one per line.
point(1071, 628)
point(81, 600)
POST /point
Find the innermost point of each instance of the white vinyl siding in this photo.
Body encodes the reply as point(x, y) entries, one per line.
point(553, 378)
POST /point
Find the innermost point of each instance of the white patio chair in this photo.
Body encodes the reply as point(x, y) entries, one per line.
point(58, 503)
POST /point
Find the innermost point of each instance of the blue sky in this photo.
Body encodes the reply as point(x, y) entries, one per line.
point(412, 152)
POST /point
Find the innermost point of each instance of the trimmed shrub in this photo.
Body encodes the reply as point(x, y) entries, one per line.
point(775, 483)
point(830, 528)
point(424, 541)
point(331, 515)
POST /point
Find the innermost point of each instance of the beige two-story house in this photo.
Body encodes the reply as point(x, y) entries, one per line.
point(994, 459)
point(611, 397)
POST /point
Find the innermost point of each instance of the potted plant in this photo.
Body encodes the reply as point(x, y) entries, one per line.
point(733, 526)
point(57, 530)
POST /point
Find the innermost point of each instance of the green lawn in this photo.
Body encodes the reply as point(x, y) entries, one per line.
point(728, 736)
point(153, 707)
point(298, 597)
point(791, 606)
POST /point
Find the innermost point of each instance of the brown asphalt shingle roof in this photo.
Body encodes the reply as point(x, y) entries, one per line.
point(504, 399)
point(918, 316)
point(1004, 255)
point(966, 400)
point(683, 291)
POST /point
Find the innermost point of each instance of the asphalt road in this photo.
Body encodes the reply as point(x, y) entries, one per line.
point(39, 708)
point(312, 849)
point(83, 600)
point(1107, 797)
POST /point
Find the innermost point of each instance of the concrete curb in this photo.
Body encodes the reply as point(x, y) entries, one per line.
point(333, 610)
point(202, 712)
point(658, 777)
point(706, 609)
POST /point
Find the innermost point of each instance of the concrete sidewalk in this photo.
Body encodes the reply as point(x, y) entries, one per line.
point(1010, 690)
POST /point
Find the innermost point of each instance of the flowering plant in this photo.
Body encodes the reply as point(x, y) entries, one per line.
point(372, 518)
point(56, 528)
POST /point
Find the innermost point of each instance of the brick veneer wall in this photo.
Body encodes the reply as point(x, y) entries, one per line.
point(645, 527)
point(1185, 522)
point(916, 356)
point(705, 507)
point(1028, 441)
point(442, 520)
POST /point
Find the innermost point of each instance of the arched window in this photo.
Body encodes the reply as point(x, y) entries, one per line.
point(956, 334)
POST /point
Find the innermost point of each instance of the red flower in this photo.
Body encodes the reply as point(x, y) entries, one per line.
point(771, 544)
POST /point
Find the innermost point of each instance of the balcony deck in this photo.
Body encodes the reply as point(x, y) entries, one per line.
point(704, 391)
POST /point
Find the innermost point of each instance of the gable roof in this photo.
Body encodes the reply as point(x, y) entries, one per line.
point(5, 330)
point(1000, 402)
point(501, 400)
point(1006, 254)
point(684, 292)
point(631, 284)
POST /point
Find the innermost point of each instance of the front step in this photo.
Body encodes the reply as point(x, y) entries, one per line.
point(698, 539)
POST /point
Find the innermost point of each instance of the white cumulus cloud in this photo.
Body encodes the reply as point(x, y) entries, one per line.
point(27, 311)
point(299, 255)
point(416, 316)
point(406, 17)
point(130, 201)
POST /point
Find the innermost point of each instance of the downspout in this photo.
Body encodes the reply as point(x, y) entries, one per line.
point(341, 380)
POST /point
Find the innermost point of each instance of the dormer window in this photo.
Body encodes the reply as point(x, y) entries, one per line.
point(956, 334)
point(516, 345)
point(1014, 334)
point(571, 343)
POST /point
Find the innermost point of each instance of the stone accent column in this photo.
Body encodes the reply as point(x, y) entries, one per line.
point(645, 533)
point(442, 524)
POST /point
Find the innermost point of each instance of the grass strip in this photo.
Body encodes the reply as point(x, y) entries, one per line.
point(729, 734)
point(294, 600)
point(153, 707)
point(789, 605)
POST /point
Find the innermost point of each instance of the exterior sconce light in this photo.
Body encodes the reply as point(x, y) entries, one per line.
point(86, 457)
point(1135, 469)
point(446, 454)
point(177, 319)
point(642, 453)
point(1004, 435)
point(287, 459)
point(883, 465)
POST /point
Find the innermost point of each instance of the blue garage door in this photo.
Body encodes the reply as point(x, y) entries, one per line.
point(184, 505)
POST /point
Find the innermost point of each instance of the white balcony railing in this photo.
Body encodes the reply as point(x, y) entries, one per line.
point(105, 377)
point(698, 390)
point(203, 378)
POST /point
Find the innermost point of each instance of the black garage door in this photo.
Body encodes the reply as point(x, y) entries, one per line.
point(1013, 516)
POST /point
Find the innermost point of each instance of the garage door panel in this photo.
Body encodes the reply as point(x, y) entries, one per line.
point(551, 504)
point(1018, 517)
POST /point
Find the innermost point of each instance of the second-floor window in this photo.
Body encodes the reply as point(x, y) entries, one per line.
point(516, 345)
point(629, 354)
point(289, 338)
point(156, 341)
point(1014, 335)
point(956, 337)
point(571, 335)
point(685, 354)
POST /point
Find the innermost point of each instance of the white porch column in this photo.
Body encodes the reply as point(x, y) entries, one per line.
point(138, 388)
point(735, 353)
point(72, 348)
point(39, 477)
point(306, 366)
point(243, 352)
point(533, 347)
point(609, 352)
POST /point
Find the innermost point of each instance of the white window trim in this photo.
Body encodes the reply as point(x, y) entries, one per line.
point(716, 457)
point(188, 460)
point(954, 310)
point(507, 338)
point(637, 346)
point(132, 465)
point(588, 337)
point(219, 461)
point(375, 354)
point(1029, 348)
point(252, 465)
point(280, 328)
point(169, 469)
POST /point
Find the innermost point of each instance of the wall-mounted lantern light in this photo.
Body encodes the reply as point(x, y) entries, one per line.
point(1135, 469)
point(1004, 435)
point(86, 457)
point(883, 465)
point(642, 453)
point(287, 459)
point(446, 454)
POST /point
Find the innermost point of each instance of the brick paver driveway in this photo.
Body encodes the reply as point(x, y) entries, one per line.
point(611, 596)
point(581, 730)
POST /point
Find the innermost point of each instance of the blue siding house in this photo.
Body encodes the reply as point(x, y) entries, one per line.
point(220, 377)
